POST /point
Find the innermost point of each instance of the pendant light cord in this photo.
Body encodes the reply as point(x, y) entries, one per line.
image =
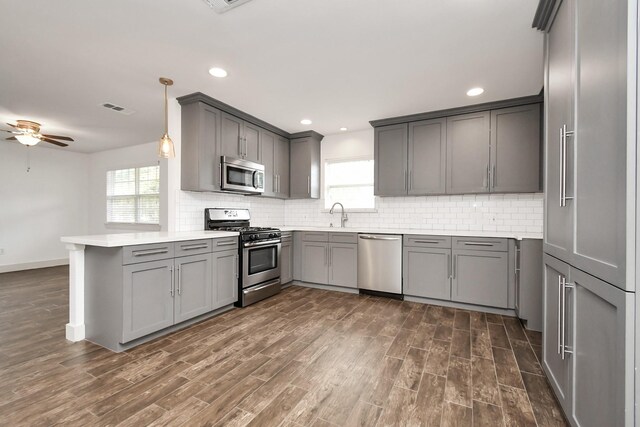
point(166, 112)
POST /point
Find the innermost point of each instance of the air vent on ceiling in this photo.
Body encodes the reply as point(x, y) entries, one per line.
point(117, 108)
point(222, 6)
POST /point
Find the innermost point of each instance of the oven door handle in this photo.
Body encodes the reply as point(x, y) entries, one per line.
point(263, 243)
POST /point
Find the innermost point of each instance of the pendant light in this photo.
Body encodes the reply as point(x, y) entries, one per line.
point(165, 145)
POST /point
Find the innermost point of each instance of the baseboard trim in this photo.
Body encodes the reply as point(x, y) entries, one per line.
point(33, 265)
point(326, 287)
point(461, 305)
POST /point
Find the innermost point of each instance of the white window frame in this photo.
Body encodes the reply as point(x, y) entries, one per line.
point(134, 225)
point(324, 185)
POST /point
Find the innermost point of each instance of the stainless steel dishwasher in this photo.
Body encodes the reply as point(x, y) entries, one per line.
point(380, 262)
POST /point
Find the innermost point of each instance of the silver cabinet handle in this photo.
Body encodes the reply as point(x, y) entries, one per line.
point(564, 133)
point(326, 261)
point(559, 313)
point(237, 268)
point(366, 237)
point(485, 179)
point(330, 253)
point(493, 177)
point(150, 252)
point(565, 286)
point(410, 181)
point(239, 145)
point(560, 163)
point(193, 247)
point(179, 281)
point(477, 244)
point(246, 147)
point(427, 241)
point(309, 185)
point(455, 266)
point(449, 266)
point(171, 286)
point(406, 179)
point(227, 243)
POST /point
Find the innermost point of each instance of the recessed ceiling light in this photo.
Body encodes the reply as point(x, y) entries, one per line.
point(343, 129)
point(217, 72)
point(306, 121)
point(475, 91)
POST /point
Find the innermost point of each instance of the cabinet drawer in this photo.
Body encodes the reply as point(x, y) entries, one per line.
point(144, 253)
point(480, 244)
point(419, 241)
point(192, 247)
point(225, 244)
point(343, 238)
point(314, 236)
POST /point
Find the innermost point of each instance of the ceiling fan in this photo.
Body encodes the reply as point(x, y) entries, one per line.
point(28, 133)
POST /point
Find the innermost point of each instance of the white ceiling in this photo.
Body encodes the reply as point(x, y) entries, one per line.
point(339, 63)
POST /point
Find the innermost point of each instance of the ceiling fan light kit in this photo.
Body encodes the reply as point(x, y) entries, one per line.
point(165, 145)
point(28, 133)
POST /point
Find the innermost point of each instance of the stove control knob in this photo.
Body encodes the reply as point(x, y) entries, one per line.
point(271, 235)
point(253, 237)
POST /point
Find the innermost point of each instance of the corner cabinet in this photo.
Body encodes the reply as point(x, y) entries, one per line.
point(588, 352)
point(493, 151)
point(305, 165)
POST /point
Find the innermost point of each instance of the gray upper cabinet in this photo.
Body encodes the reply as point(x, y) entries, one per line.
point(267, 146)
point(239, 138)
point(193, 286)
point(343, 265)
point(225, 278)
point(559, 92)
point(426, 272)
point(200, 160)
point(480, 277)
point(515, 149)
point(281, 167)
point(468, 153)
point(305, 166)
point(427, 157)
point(600, 147)
point(147, 298)
point(390, 166)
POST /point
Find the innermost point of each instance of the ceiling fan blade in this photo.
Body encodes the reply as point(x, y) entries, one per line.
point(10, 131)
point(64, 138)
point(51, 141)
point(12, 138)
point(13, 126)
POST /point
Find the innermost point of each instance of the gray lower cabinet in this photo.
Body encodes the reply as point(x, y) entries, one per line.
point(193, 286)
point(147, 298)
point(329, 258)
point(480, 277)
point(427, 157)
point(343, 265)
point(225, 278)
point(588, 352)
point(468, 153)
point(200, 159)
point(315, 262)
point(427, 272)
point(304, 180)
point(286, 259)
point(528, 276)
point(515, 149)
point(390, 166)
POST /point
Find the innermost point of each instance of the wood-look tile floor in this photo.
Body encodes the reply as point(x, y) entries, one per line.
point(305, 357)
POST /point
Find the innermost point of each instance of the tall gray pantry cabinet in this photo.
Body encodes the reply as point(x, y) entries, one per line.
point(590, 201)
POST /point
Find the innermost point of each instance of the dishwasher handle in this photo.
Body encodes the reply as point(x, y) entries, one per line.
point(367, 237)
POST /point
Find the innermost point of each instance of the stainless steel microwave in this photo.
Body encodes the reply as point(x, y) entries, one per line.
point(241, 176)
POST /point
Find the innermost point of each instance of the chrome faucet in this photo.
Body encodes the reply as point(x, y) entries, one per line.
point(343, 216)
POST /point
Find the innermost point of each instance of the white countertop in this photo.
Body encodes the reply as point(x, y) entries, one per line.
point(128, 239)
point(466, 233)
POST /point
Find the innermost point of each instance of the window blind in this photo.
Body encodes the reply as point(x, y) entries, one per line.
point(133, 195)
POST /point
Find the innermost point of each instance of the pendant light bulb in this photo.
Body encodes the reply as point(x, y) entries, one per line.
point(165, 145)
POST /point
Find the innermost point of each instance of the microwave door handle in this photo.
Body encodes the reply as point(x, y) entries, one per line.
point(253, 179)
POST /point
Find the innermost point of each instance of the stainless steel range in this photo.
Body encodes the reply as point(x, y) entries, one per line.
point(259, 250)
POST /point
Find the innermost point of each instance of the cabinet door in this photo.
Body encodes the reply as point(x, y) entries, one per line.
point(147, 298)
point(390, 160)
point(559, 91)
point(515, 149)
point(200, 162)
point(603, 352)
point(426, 272)
point(305, 169)
point(343, 265)
point(281, 166)
point(286, 262)
point(427, 156)
point(601, 141)
point(267, 146)
point(481, 277)
point(251, 136)
point(558, 370)
point(225, 278)
point(315, 262)
point(468, 153)
point(193, 286)
point(231, 143)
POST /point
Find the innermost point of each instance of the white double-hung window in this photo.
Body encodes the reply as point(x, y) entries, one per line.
point(133, 195)
point(350, 182)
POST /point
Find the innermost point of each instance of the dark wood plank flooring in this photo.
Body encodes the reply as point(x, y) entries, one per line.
point(306, 357)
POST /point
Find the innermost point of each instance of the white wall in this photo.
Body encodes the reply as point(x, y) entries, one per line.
point(122, 158)
point(39, 206)
point(508, 212)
